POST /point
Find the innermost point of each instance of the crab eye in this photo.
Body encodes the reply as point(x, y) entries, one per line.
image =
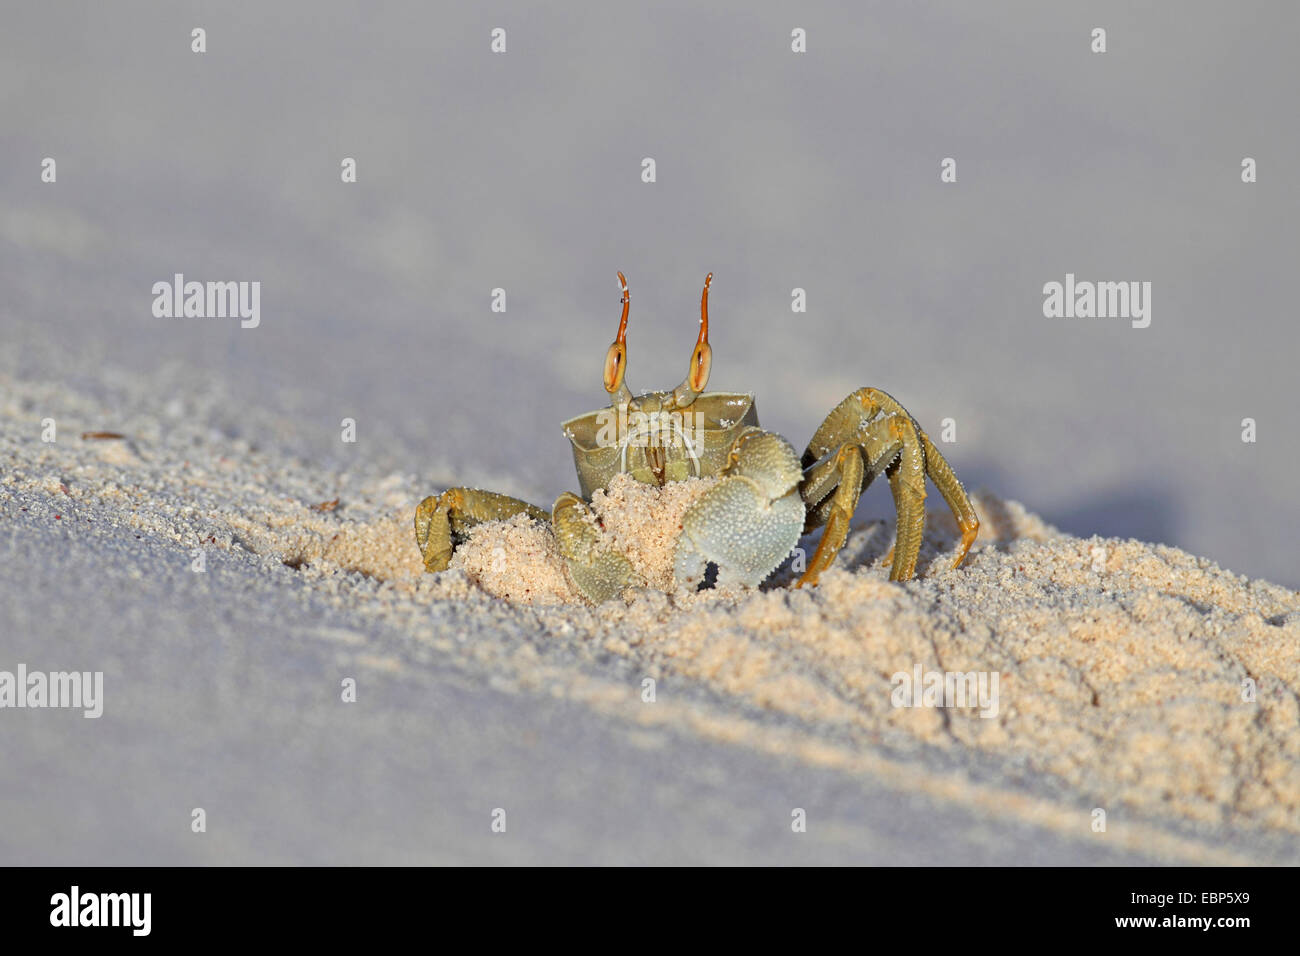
point(701, 362)
point(702, 357)
point(616, 357)
point(615, 366)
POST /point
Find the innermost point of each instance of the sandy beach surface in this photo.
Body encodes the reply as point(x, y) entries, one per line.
point(1121, 668)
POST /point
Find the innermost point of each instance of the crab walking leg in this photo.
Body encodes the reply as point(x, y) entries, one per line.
point(441, 521)
point(832, 486)
point(954, 493)
point(750, 521)
point(918, 458)
point(880, 440)
point(849, 420)
point(600, 573)
point(907, 482)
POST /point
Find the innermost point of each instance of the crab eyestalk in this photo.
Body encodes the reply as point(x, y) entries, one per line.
point(697, 376)
point(616, 357)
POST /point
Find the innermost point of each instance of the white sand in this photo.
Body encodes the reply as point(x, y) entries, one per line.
point(1121, 663)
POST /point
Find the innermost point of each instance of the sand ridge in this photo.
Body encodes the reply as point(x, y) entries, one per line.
point(1122, 664)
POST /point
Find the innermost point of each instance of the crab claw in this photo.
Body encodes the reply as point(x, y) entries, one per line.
point(599, 573)
point(750, 522)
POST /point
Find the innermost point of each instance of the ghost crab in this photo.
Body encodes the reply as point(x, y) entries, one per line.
point(766, 497)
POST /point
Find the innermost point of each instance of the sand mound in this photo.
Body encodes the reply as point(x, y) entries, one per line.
point(1138, 674)
point(1131, 677)
point(518, 560)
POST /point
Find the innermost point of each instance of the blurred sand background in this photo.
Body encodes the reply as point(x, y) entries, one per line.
point(522, 171)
